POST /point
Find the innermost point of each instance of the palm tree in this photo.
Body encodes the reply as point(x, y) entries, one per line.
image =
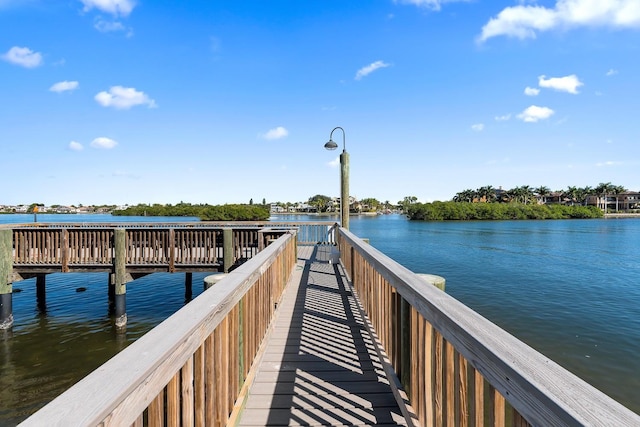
point(603, 189)
point(542, 192)
point(465, 196)
point(572, 194)
point(488, 193)
point(511, 195)
point(584, 193)
point(526, 193)
point(617, 190)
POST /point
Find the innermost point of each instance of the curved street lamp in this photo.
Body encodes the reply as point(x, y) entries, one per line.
point(344, 176)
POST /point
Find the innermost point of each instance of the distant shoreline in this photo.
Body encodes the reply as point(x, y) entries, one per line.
point(323, 213)
point(622, 215)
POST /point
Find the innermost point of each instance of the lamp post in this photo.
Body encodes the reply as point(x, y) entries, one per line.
point(344, 177)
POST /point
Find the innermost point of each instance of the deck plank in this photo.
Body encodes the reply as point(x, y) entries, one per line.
point(321, 366)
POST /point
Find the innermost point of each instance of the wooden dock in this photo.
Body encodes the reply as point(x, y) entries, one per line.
point(130, 251)
point(322, 365)
point(283, 340)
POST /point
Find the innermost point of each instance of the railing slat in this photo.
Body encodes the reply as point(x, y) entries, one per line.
point(173, 401)
point(187, 394)
point(156, 411)
point(199, 386)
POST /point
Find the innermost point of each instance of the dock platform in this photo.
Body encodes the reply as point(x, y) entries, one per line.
point(321, 365)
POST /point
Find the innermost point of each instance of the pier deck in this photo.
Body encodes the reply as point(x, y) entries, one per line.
point(321, 365)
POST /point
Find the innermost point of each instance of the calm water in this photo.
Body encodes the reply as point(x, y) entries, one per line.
point(567, 288)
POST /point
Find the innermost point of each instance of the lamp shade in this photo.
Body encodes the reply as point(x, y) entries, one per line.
point(331, 145)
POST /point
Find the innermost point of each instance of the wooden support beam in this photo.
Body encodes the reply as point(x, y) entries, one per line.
point(41, 292)
point(6, 270)
point(227, 249)
point(188, 286)
point(120, 277)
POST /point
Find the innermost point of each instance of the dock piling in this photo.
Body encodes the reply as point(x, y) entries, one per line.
point(227, 249)
point(41, 292)
point(120, 277)
point(6, 288)
point(188, 286)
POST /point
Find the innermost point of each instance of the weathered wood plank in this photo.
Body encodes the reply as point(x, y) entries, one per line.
point(538, 388)
point(124, 386)
point(321, 366)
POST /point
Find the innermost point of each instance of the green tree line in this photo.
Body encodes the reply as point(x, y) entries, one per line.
point(466, 211)
point(526, 194)
point(232, 212)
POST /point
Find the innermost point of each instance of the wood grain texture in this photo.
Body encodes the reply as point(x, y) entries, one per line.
point(540, 390)
point(321, 366)
point(121, 389)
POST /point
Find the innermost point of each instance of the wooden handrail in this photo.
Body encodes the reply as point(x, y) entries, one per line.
point(63, 246)
point(191, 367)
point(453, 352)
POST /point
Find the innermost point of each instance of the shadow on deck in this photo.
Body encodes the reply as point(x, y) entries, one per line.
point(321, 365)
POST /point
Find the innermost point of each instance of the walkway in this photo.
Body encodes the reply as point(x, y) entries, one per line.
point(321, 366)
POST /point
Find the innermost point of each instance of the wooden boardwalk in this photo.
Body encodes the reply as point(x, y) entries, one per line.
point(321, 365)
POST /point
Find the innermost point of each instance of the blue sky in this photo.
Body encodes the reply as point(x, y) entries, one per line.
point(221, 101)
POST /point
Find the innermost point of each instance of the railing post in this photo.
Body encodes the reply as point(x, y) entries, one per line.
point(172, 250)
point(119, 261)
point(6, 270)
point(227, 249)
point(261, 240)
point(64, 250)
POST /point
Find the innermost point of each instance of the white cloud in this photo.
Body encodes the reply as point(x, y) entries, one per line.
point(503, 118)
point(531, 91)
point(103, 142)
point(478, 127)
point(365, 71)
point(608, 163)
point(23, 56)
point(75, 146)
point(568, 84)
point(611, 72)
point(64, 86)
point(108, 26)
point(114, 7)
point(524, 21)
point(429, 4)
point(276, 133)
point(123, 98)
point(535, 113)
point(334, 163)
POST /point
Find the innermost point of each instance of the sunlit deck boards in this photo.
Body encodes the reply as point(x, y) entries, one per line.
point(320, 366)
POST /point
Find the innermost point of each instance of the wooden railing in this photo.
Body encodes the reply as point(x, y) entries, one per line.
point(457, 367)
point(66, 249)
point(50, 248)
point(191, 369)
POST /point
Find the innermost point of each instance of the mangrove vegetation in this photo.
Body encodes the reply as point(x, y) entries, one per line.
point(466, 211)
point(205, 212)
